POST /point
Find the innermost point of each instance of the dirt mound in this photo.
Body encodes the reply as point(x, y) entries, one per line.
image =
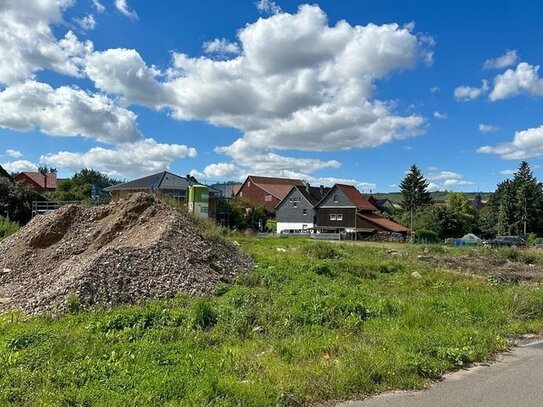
point(478, 264)
point(120, 253)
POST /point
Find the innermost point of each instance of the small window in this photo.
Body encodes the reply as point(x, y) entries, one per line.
point(304, 227)
point(240, 194)
point(268, 198)
point(332, 216)
point(290, 199)
point(339, 216)
point(248, 184)
point(304, 211)
point(336, 198)
point(295, 204)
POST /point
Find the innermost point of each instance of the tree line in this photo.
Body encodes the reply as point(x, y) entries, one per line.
point(514, 208)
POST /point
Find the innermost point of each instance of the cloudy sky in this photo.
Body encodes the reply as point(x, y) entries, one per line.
point(332, 91)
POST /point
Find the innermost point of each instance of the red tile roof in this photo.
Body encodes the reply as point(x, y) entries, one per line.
point(278, 187)
point(356, 197)
point(383, 222)
point(39, 180)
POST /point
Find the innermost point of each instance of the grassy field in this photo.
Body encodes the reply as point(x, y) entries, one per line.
point(315, 321)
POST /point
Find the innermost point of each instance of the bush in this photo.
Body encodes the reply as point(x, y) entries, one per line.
point(427, 236)
point(204, 316)
point(322, 251)
point(7, 228)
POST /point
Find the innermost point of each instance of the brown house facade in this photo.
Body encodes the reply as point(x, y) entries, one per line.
point(266, 191)
point(344, 208)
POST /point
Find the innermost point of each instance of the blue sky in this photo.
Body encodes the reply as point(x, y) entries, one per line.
point(351, 91)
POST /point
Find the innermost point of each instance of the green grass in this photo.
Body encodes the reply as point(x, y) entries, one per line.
point(7, 227)
point(319, 321)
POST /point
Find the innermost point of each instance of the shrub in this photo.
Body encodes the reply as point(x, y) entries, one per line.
point(204, 316)
point(428, 236)
point(7, 228)
point(322, 251)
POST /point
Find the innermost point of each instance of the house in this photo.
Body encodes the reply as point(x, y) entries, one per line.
point(228, 189)
point(345, 209)
point(165, 183)
point(266, 191)
point(39, 181)
point(297, 209)
point(383, 204)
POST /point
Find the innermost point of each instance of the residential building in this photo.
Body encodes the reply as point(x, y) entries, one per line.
point(383, 204)
point(345, 209)
point(266, 191)
point(297, 209)
point(39, 181)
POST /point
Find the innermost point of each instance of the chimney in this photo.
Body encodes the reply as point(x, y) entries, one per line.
point(322, 190)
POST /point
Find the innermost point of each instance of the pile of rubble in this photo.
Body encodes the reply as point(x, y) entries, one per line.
point(120, 253)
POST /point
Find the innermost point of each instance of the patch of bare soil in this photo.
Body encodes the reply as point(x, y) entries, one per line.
point(479, 264)
point(121, 253)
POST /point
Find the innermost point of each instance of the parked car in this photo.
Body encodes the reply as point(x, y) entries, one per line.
point(504, 241)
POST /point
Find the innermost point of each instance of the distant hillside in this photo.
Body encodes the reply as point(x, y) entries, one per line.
point(438, 196)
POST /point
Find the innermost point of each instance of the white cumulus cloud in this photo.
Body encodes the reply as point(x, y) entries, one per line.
point(28, 44)
point(221, 47)
point(124, 8)
point(125, 160)
point(98, 6)
point(86, 22)
point(526, 144)
point(440, 116)
point(440, 180)
point(14, 153)
point(487, 128)
point(465, 93)
point(506, 60)
point(267, 7)
point(19, 166)
point(66, 111)
point(524, 79)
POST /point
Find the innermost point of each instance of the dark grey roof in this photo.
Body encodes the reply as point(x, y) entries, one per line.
point(162, 180)
point(312, 194)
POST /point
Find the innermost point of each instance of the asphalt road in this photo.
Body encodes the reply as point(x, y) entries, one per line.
point(516, 379)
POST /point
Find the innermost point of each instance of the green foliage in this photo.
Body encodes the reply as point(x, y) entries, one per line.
point(414, 189)
point(244, 215)
point(428, 236)
point(322, 251)
point(517, 202)
point(16, 200)
point(271, 225)
point(204, 316)
point(7, 228)
point(79, 187)
point(298, 331)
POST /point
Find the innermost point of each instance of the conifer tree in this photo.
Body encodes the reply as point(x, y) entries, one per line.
point(414, 189)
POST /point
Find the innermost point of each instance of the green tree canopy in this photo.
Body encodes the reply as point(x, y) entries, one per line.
point(414, 189)
point(80, 186)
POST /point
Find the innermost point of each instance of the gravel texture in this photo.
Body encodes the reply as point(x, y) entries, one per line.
point(120, 253)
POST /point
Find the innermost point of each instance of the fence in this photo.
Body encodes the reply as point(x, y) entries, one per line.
point(40, 207)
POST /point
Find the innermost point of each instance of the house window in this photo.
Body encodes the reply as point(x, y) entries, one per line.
point(339, 216)
point(336, 198)
point(240, 194)
point(332, 216)
point(304, 227)
point(248, 184)
point(304, 211)
point(295, 204)
point(268, 198)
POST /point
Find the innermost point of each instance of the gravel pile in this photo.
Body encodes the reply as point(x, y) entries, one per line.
point(134, 249)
